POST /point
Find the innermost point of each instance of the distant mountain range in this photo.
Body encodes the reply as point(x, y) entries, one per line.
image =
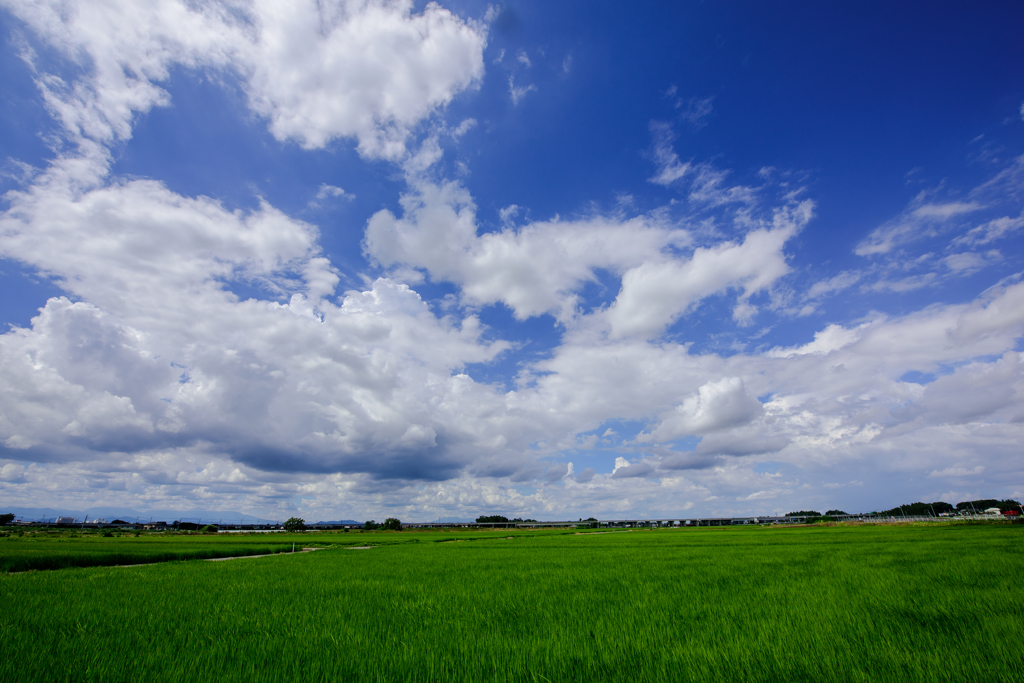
point(109, 514)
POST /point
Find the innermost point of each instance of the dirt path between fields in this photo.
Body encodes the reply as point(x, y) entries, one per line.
point(218, 559)
point(146, 564)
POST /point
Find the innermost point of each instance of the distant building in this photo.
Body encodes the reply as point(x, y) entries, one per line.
point(66, 520)
point(993, 511)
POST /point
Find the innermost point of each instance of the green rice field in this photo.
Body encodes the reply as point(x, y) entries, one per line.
point(37, 551)
point(868, 603)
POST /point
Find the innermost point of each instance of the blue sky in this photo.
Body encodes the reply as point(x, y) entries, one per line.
point(367, 259)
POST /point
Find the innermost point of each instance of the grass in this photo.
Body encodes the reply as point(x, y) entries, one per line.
point(809, 604)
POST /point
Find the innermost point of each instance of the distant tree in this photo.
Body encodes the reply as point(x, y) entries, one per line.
point(6, 518)
point(370, 525)
point(209, 529)
point(492, 519)
point(804, 513)
point(295, 524)
point(391, 524)
point(530, 520)
point(590, 519)
point(982, 505)
point(832, 513)
point(121, 521)
point(919, 509)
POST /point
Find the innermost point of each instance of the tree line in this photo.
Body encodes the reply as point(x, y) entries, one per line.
point(919, 509)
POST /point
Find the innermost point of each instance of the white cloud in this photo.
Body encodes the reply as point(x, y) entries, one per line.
point(508, 213)
point(992, 230)
point(925, 218)
point(160, 353)
point(464, 127)
point(716, 405)
point(316, 71)
point(825, 341)
point(520, 92)
point(837, 283)
point(540, 267)
point(708, 187)
point(670, 168)
point(534, 270)
point(970, 262)
point(368, 70)
point(920, 220)
point(655, 293)
point(326, 191)
point(904, 284)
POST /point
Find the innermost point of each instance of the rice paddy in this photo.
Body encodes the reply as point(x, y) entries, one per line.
point(938, 603)
point(40, 551)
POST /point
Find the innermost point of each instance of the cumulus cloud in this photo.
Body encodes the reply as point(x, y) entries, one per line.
point(316, 71)
point(716, 405)
point(655, 293)
point(533, 270)
point(368, 70)
point(540, 267)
